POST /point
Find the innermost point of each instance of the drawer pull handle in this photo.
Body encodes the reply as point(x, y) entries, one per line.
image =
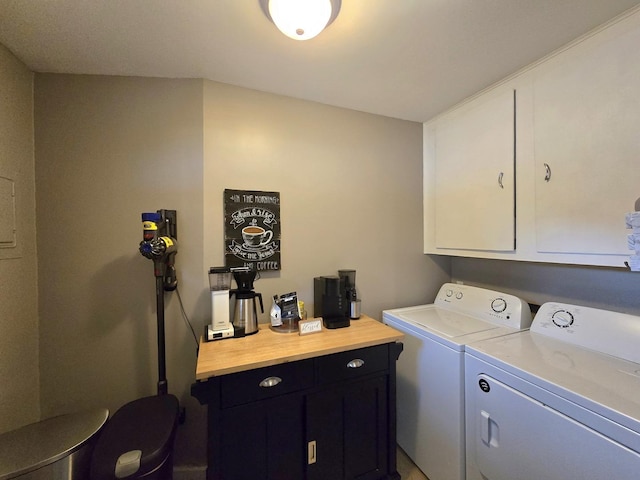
point(311, 452)
point(355, 363)
point(270, 382)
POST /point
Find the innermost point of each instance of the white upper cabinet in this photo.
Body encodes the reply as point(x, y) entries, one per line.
point(474, 176)
point(587, 144)
point(565, 148)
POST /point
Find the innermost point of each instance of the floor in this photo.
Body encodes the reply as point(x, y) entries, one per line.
point(407, 469)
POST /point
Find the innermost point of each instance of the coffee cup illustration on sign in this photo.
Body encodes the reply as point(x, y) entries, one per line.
point(255, 236)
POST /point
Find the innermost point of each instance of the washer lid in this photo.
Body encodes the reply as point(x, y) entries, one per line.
point(462, 314)
point(444, 322)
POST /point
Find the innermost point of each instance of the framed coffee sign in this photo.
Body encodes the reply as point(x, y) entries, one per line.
point(252, 229)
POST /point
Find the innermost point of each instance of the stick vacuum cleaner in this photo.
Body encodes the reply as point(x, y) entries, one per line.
point(160, 245)
point(137, 442)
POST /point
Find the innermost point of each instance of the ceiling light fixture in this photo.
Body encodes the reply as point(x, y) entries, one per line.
point(301, 19)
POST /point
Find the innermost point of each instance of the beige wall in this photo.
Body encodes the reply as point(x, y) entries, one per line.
point(19, 377)
point(109, 148)
point(350, 186)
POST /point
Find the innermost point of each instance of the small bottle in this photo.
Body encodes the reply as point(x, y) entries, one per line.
point(302, 313)
point(276, 313)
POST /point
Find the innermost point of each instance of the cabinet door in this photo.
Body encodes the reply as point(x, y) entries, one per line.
point(263, 440)
point(587, 145)
point(347, 432)
point(475, 176)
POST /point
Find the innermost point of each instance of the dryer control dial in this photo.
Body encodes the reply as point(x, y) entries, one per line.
point(562, 318)
point(499, 305)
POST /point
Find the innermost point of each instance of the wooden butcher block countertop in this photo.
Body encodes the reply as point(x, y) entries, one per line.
point(267, 348)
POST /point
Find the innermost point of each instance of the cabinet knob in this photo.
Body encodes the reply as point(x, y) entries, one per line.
point(547, 172)
point(270, 382)
point(355, 363)
point(500, 179)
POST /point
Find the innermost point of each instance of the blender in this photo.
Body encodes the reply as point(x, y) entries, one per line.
point(245, 314)
point(219, 284)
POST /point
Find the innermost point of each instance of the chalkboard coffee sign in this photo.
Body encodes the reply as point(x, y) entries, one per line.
point(252, 229)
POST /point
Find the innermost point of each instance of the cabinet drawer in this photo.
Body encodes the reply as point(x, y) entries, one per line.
point(262, 383)
point(353, 363)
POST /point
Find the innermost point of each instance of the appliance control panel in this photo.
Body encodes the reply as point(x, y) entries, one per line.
point(613, 333)
point(488, 305)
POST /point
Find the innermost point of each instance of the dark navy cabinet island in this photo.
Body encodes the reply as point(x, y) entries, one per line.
point(310, 407)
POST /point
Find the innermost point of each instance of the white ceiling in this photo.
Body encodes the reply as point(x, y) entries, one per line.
point(408, 59)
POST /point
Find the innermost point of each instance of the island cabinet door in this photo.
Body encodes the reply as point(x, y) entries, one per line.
point(347, 431)
point(262, 440)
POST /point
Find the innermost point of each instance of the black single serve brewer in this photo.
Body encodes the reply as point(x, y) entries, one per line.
point(334, 297)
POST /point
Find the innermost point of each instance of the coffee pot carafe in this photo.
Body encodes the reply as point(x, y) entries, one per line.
point(245, 313)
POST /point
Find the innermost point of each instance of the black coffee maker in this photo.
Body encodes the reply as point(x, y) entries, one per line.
point(245, 313)
point(334, 305)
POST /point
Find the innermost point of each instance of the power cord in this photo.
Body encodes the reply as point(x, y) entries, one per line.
point(186, 320)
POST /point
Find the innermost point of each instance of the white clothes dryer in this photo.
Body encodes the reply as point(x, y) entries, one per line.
point(561, 401)
point(430, 371)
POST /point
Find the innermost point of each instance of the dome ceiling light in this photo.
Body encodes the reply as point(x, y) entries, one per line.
point(301, 19)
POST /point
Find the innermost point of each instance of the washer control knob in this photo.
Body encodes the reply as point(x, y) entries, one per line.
point(459, 295)
point(449, 293)
point(499, 305)
point(562, 318)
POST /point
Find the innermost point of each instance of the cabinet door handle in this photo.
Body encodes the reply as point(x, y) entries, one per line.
point(547, 172)
point(311, 452)
point(355, 363)
point(500, 179)
point(270, 382)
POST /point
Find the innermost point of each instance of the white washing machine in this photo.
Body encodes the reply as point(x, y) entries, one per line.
point(561, 401)
point(430, 371)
